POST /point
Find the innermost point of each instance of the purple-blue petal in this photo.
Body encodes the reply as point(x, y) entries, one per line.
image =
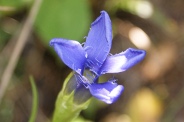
point(122, 61)
point(70, 52)
point(98, 41)
point(108, 92)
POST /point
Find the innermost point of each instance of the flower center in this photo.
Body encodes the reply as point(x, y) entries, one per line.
point(87, 78)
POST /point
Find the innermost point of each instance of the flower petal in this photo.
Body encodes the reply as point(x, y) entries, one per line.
point(70, 52)
point(98, 42)
point(108, 92)
point(122, 61)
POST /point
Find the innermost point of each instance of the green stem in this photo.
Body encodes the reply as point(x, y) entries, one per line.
point(34, 101)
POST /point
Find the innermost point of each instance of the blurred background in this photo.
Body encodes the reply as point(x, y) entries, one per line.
point(154, 89)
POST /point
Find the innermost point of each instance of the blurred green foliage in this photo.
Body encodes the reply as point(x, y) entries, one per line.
point(12, 6)
point(6, 111)
point(63, 18)
point(13, 3)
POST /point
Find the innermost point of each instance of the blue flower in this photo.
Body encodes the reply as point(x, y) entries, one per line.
point(91, 60)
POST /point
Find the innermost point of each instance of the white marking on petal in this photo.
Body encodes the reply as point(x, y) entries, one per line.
point(119, 63)
point(104, 93)
point(116, 91)
point(86, 55)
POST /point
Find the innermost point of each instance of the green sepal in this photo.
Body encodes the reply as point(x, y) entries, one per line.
point(66, 109)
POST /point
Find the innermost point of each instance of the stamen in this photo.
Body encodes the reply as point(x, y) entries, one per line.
point(89, 76)
point(113, 80)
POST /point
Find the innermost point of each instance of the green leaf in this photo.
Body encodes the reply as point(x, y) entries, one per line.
point(63, 19)
point(66, 110)
point(35, 100)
